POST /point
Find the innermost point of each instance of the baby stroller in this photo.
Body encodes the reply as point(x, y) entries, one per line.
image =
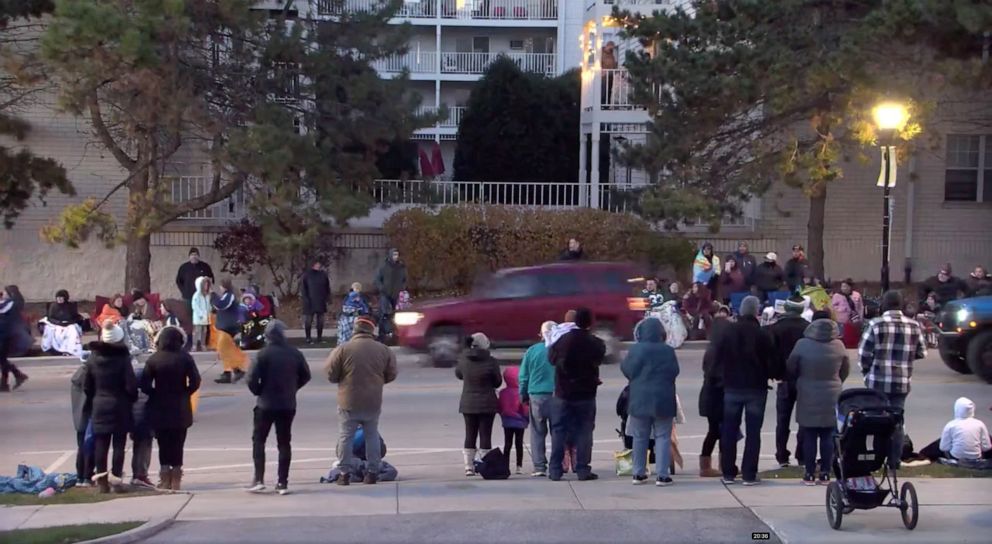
point(866, 424)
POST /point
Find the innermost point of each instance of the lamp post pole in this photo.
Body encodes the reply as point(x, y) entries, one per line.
point(886, 219)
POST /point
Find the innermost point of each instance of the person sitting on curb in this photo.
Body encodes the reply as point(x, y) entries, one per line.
point(965, 438)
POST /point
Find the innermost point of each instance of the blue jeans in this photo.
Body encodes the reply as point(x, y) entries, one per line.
point(540, 416)
point(897, 400)
point(751, 404)
point(572, 422)
point(826, 437)
point(642, 430)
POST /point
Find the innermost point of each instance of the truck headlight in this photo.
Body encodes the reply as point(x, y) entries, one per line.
point(961, 315)
point(407, 319)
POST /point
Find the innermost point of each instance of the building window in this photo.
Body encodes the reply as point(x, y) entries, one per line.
point(968, 174)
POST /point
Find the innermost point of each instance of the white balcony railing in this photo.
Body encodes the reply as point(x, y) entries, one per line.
point(616, 90)
point(477, 63)
point(450, 9)
point(418, 62)
point(186, 188)
point(455, 114)
point(500, 9)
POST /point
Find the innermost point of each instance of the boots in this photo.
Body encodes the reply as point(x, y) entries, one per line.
point(19, 378)
point(103, 483)
point(706, 469)
point(176, 477)
point(165, 478)
point(469, 457)
point(224, 378)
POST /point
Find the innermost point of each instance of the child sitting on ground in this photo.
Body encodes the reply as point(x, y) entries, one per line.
point(965, 438)
point(513, 414)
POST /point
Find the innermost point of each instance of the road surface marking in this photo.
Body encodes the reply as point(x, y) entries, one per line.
point(58, 462)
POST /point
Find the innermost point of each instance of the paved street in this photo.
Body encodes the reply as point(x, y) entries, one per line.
point(423, 431)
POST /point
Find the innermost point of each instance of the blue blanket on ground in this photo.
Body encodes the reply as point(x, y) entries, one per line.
point(31, 479)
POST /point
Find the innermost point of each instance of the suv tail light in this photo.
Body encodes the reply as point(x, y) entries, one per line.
point(637, 304)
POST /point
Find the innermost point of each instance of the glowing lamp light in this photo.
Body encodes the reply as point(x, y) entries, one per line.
point(890, 116)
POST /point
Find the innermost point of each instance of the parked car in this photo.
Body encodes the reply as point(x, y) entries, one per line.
point(510, 305)
point(966, 336)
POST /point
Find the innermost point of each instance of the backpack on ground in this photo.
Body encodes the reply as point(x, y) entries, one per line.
point(495, 465)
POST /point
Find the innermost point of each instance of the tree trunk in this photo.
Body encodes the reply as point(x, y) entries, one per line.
point(139, 259)
point(814, 229)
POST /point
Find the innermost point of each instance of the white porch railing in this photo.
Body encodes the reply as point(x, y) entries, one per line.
point(455, 114)
point(418, 62)
point(186, 188)
point(477, 63)
point(500, 9)
point(616, 90)
point(450, 9)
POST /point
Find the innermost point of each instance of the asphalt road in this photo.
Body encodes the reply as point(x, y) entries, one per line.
point(420, 421)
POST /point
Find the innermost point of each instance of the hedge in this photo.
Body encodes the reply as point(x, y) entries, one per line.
point(449, 247)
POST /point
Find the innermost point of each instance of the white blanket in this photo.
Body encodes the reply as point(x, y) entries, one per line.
point(66, 340)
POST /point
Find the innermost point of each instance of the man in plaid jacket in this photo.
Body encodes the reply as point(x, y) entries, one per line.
point(888, 348)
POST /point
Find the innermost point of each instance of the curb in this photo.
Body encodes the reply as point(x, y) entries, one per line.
point(146, 530)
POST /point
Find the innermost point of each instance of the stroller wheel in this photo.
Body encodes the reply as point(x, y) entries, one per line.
point(835, 505)
point(909, 506)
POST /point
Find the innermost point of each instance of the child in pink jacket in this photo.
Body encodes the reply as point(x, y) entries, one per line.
point(513, 415)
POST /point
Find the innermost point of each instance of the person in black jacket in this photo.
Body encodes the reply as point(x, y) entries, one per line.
point(13, 330)
point(315, 290)
point(170, 378)
point(480, 376)
point(80, 420)
point(768, 276)
point(745, 352)
point(576, 357)
point(796, 268)
point(945, 287)
point(574, 251)
point(279, 371)
point(188, 272)
point(390, 280)
point(111, 389)
point(711, 394)
point(786, 333)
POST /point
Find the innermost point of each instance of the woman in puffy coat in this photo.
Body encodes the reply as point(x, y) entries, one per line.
point(111, 389)
point(651, 367)
point(169, 379)
point(479, 404)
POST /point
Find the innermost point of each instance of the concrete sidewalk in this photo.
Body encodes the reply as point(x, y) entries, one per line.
point(952, 510)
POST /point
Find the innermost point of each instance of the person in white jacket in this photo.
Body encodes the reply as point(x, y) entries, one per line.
point(201, 313)
point(964, 438)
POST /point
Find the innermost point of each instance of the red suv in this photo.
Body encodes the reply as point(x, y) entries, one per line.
point(510, 305)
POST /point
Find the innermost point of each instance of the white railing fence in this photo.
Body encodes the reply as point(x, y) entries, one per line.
point(186, 188)
point(418, 62)
point(449, 9)
point(477, 63)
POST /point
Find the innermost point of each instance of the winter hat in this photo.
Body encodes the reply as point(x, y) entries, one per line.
point(750, 306)
point(793, 307)
point(364, 325)
point(111, 334)
point(194, 251)
point(479, 341)
point(891, 300)
point(356, 287)
point(62, 293)
point(771, 256)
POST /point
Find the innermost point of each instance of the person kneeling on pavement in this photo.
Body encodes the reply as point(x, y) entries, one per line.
point(360, 368)
point(387, 472)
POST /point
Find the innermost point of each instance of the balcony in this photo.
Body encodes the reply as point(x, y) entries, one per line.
point(417, 62)
point(478, 63)
point(466, 10)
point(189, 187)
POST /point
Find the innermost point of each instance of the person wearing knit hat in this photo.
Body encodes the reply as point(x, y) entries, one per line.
point(360, 367)
point(111, 389)
point(478, 404)
point(768, 276)
point(187, 275)
point(787, 331)
point(746, 352)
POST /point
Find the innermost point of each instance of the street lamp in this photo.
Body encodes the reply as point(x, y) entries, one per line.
point(890, 118)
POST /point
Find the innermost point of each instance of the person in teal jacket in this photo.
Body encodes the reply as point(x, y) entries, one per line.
point(537, 385)
point(651, 367)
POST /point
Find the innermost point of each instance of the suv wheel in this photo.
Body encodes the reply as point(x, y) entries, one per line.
point(980, 355)
point(953, 361)
point(444, 344)
point(605, 333)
